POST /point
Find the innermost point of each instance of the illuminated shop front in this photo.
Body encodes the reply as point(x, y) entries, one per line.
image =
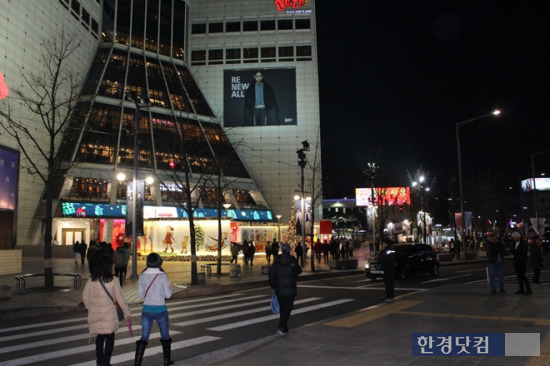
point(165, 225)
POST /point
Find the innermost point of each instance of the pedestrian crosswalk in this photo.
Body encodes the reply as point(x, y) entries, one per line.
point(544, 278)
point(194, 324)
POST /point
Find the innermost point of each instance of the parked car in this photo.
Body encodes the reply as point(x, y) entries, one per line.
point(409, 259)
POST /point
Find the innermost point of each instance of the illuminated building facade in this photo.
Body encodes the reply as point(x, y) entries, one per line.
point(193, 76)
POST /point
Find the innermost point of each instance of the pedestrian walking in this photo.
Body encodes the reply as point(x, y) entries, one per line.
point(82, 251)
point(495, 254)
point(119, 259)
point(102, 315)
point(317, 249)
point(299, 250)
point(282, 278)
point(326, 249)
point(535, 258)
point(76, 251)
point(126, 249)
point(234, 252)
point(251, 252)
point(520, 250)
point(154, 289)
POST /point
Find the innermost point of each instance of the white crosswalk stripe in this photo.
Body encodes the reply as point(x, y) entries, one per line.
point(67, 341)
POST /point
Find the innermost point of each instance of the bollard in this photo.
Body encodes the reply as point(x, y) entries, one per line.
point(201, 277)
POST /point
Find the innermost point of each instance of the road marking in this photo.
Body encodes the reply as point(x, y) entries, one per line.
point(373, 313)
point(153, 351)
point(535, 321)
point(238, 313)
point(446, 278)
point(40, 358)
point(266, 318)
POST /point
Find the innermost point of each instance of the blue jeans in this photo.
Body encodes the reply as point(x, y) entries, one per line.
point(147, 323)
point(496, 269)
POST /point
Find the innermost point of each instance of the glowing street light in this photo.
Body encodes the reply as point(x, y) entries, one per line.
point(496, 112)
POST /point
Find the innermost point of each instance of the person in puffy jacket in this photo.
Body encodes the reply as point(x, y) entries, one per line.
point(282, 278)
point(102, 314)
point(154, 289)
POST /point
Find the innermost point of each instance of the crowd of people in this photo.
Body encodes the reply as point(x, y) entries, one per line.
point(526, 253)
point(102, 294)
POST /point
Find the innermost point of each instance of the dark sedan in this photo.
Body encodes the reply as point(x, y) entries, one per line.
point(409, 259)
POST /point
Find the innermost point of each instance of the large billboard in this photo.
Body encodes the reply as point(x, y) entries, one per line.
point(541, 184)
point(259, 97)
point(383, 196)
point(9, 178)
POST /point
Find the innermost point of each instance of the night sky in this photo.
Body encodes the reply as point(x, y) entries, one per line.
point(396, 77)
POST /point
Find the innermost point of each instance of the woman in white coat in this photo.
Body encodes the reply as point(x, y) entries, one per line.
point(102, 315)
point(154, 289)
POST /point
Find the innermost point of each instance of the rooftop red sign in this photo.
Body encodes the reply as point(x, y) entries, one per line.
point(283, 4)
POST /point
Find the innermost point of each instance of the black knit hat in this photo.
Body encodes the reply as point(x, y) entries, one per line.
point(154, 260)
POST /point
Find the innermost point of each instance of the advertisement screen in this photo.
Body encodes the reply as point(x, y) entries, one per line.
point(383, 196)
point(259, 97)
point(541, 184)
point(9, 173)
point(100, 210)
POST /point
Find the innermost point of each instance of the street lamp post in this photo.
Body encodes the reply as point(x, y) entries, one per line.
point(535, 187)
point(142, 102)
point(496, 112)
point(370, 171)
point(421, 190)
point(302, 162)
point(279, 227)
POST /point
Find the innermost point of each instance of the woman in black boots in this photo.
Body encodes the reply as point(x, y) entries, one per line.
point(154, 289)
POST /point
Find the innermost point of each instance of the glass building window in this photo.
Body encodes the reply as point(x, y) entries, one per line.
point(215, 28)
point(250, 55)
point(268, 54)
point(198, 28)
point(95, 27)
point(75, 6)
point(250, 25)
point(198, 57)
point(303, 24)
point(65, 3)
point(85, 17)
point(284, 24)
point(286, 53)
point(215, 57)
point(267, 25)
point(303, 53)
point(233, 56)
point(90, 188)
point(232, 27)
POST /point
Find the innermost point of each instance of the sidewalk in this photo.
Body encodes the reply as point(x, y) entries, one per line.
point(382, 334)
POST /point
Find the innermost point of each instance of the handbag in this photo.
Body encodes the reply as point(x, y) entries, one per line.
point(119, 312)
point(274, 303)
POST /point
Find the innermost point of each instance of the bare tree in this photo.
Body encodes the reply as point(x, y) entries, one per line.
point(47, 99)
point(189, 182)
point(316, 190)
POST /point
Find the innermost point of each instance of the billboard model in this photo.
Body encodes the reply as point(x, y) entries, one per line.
point(259, 97)
point(383, 196)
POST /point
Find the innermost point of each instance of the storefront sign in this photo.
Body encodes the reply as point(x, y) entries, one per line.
point(100, 210)
point(295, 4)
